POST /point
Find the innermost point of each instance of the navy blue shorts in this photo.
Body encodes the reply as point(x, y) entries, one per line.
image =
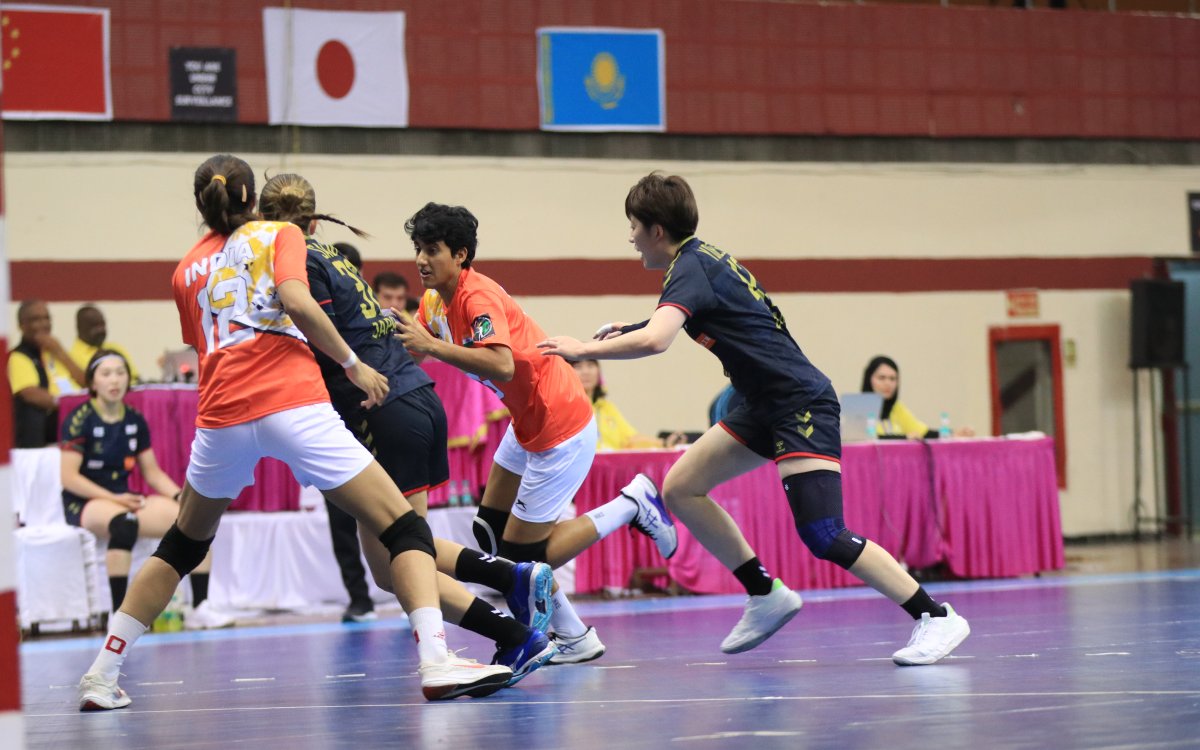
point(407, 436)
point(777, 431)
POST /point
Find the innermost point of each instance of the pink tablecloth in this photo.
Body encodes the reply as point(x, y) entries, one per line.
point(988, 508)
point(171, 414)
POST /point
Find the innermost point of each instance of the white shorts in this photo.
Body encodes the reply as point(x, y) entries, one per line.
point(311, 440)
point(549, 479)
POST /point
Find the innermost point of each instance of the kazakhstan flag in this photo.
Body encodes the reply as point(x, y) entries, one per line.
point(601, 79)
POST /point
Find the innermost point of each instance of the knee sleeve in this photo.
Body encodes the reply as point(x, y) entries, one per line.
point(408, 532)
point(816, 501)
point(535, 552)
point(488, 529)
point(180, 551)
point(123, 531)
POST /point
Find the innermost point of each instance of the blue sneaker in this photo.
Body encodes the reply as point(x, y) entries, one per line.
point(536, 651)
point(531, 599)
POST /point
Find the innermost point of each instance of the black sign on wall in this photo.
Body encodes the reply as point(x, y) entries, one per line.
point(1194, 221)
point(203, 84)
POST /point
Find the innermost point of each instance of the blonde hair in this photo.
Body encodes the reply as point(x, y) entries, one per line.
point(290, 197)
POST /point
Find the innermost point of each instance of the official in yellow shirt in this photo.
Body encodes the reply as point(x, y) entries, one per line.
point(38, 368)
point(615, 431)
point(92, 331)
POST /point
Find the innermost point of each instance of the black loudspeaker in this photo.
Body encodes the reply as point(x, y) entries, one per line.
point(1194, 221)
point(1156, 336)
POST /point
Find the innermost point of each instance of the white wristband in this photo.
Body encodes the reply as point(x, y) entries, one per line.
point(351, 361)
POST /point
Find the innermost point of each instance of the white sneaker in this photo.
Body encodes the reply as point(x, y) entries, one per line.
point(98, 694)
point(457, 676)
point(933, 638)
point(763, 616)
point(578, 649)
point(652, 518)
point(205, 617)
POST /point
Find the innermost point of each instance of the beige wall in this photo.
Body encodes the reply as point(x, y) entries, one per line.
point(137, 206)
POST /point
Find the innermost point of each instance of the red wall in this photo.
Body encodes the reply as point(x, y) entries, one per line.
point(743, 67)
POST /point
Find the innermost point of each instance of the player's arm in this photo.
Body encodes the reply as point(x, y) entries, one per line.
point(154, 475)
point(312, 321)
point(653, 338)
point(493, 363)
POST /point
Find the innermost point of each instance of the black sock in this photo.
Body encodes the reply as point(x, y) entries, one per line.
point(473, 566)
point(199, 588)
point(754, 577)
point(486, 620)
point(920, 603)
point(117, 585)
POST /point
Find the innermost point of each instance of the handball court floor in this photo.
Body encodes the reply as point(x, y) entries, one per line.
point(1095, 661)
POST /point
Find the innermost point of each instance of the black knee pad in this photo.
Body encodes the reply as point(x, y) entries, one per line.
point(123, 531)
point(814, 495)
point(535, 552)
point(408, 532)
point(182, 552)
point(816, 501)
point(488, 529)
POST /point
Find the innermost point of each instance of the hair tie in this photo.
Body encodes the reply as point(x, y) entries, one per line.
point(219, 178)
point(95, 364)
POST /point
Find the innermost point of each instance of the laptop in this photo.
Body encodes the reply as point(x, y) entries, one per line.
point(857, 410)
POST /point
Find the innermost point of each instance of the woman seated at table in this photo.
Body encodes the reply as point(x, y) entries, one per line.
point(103, 439)
point(882, 376)
point(615, 431)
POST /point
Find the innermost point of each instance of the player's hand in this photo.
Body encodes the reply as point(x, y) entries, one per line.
point(414, 336)
point(563, 346)
point(130, 501)
point(608, 331)
point(367, 379)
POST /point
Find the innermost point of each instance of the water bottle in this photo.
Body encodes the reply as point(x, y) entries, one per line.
point(453, 499)
point(872, 429)
point(170, 620)
point(465, 498)
point(944, 430)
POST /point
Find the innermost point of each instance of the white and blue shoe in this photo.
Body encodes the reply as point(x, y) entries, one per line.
point(652, 518)
point(531, 599)
point(536, 651)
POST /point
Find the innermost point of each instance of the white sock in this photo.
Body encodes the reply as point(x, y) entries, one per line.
point(123, 632)
point(565, 621)
point(613, 515)
point(430, 633)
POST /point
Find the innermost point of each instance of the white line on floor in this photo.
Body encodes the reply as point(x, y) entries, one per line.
point(253, 679)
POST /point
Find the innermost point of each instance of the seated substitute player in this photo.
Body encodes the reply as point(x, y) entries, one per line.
point(790, 416)
point(467, 320)
point(103, 439)
point(407, 435)
point(244, 306)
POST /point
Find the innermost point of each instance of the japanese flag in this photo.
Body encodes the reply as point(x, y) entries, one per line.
point(335, 68)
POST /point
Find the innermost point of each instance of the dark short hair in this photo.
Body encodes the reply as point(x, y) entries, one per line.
point(666, 201)
point(388, 278)
point(350, 252)
point(454, 225)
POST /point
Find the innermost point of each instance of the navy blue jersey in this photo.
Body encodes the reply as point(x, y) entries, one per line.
point(351, 305)
point(109, 449)
point(731, 316)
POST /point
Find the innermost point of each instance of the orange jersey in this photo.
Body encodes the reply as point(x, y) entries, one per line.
point(253, 360)
point(544, 397)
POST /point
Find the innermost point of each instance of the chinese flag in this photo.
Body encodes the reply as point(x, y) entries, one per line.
point(55, 63)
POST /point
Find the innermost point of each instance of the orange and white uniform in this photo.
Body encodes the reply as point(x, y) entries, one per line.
point(544, 397)
point(261, 391)
point(552, 439)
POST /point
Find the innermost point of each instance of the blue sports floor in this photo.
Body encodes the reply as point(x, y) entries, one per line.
point(1080, 662)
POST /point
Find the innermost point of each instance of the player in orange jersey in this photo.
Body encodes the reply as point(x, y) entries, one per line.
point(244, 305)
point(467, 320)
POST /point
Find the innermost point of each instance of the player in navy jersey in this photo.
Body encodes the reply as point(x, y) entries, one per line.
point(790, 415)
point(103, 439)
point(407, 435)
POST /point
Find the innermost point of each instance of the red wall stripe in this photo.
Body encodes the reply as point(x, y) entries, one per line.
point(10, 696)
point(68, 281)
